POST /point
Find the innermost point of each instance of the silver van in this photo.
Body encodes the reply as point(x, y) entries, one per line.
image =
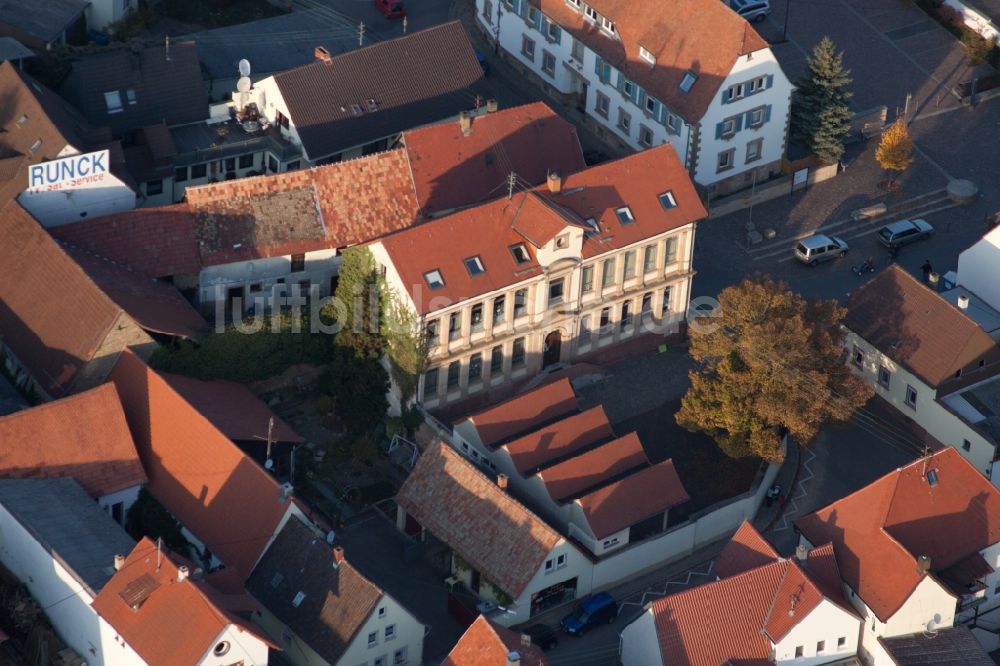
point(754, 11)
point(819, 248)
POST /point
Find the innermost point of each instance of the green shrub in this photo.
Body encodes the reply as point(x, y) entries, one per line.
point(979, 49)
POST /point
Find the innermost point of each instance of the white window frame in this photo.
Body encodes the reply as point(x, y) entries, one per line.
point(113, 102)
point(624, 121)
point(602, 105)
point(912, 404)
point(590, 13)
point(608, 25)
point(647, 55)
point(528, 47)
point(546, 56)
point(646, 136)
point(372, 639)
point(390, 632)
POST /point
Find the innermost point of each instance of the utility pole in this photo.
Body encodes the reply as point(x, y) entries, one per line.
point(361, 34)
point(511, 182)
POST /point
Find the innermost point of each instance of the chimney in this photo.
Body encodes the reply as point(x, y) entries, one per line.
point(963, 301)
point(465, 122)
point(491, 106)
point(513, 658)
point(322, 54)
point(119, 562)
point(923, 564)
point(338, 556)
point(182, 573)
point(934, 281)
point(502, 481)
point(802, 554)
point(555, 182)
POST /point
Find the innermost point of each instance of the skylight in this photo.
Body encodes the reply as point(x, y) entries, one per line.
point(475, 266)
point(434, 279)
point(299, 598)
point(356, 109)
point(520, 253)
point(667, 200)
point(688, 81)
point(592, 228)
point(23, 119)
point(625, 215)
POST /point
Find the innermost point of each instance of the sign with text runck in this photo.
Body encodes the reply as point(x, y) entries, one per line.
point(75, 172)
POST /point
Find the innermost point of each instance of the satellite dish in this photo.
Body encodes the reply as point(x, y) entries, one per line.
point(244, 67)
point(268, 464)
point(243, 85)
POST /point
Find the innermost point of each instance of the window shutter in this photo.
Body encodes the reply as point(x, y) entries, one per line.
point(640, 97)
point(739, 122)
point(769, 82)
point(749, 118)
point(599, 67)
point(539, 21)
point(767, 113)
point(719, 128)
point(556, 33)
point(725, 96)
point(621, 81)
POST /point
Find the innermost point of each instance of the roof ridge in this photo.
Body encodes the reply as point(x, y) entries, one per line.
point(58, 403)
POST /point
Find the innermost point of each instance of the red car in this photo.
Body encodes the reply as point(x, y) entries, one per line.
point(391, 8)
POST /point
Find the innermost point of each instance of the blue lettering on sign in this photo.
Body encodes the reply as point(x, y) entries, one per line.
point(67, 169)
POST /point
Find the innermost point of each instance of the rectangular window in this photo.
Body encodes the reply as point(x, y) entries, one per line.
point(624, 121)
point(757, 117)
point(532, 15)
point(755, 149)
point(380, 661)
point(645, 136)
point(648, 258)
point(399, 657)
point(605, 321)
point(520, 253)
point(625, 215)
point(758, 84)
point(488, 10)
point(799, 651)
point(154, 187)
point(858, 357)
point(454, 371)
point(560, 561)
point(688, 81)
point(671, 253)
point(728, 128)
point(884, 376)
point(113, 100)
point(820, 647)
point(528, 48)
point(584, 335)
point(665, 306)
point(390, 632)
point(475, 266)
point(475, 368)
point(587, 279)
point(548, 63)
point(626, 319)
point(607, 24)
point(499, 306)
point(577, 51)
point(630, 264)
point(628, 88)
point(496, 361)
point(842, 642)
point(434, 279)
point(298, 263)
point(246, 161)
point(725, 160)
point(476, 317)
point(454, 325)
point(520, 302)
point(647, 56)
point(608, 273)
point(517, 353)
point(591, 13)
point(199, 171)
point(911, 396)
point(602, 105)
point(432, 331)
point(180, 174)
point(372, 638)
point(646, 311)
point(229, 164)
point(556, 292)
point(966, 445)
point(667, 200)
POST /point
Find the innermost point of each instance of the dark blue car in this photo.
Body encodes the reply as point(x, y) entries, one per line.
point(600, 608)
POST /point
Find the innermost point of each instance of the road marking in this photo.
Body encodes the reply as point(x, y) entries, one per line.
point(793, 503)
point(656, 594)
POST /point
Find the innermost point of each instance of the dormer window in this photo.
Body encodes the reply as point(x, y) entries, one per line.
point(591, 13)
point(520, 253)
point(475, 266)
point(607, 24)
point(575, 4)
point(592, 227)
point(625, 215)
point(667, 200)
point(647, 56)
point(434, 279)
point(688, 81)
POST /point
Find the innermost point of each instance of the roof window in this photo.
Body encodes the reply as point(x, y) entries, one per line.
point(356, 109)
point(667, 200)
point(36, 145)
point(592, 227)
point(688, 81)
point(299, 598)
point(625, 215)
point(434, 279)
point(130, 96)
point(23, 119)
point(475, 266)
point(113, 100)
point(520, 253)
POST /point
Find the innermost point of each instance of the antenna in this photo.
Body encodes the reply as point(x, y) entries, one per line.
point(511, 182)
point(270, 430)
point(159, 552)
point(167, 47)
point(361, 34)
point(244, 67)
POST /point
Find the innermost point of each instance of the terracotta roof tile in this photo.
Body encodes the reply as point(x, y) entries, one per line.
point(914, 326)
point(525, 413)
point(232, 408)
point(575, 476)
point(746, 550)
point(452, 169)
point(823, 570)
point(879, 531)
point(337, 602)
point(556, 441)
point(53, 317)
point(84, 436)
point(214, 489)
point(493, 532)
point(486, 643)
point(174, 622)
point(420, 78)
point(704, 36)
point(639, 496)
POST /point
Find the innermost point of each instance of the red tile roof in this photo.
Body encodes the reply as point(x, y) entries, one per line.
point(175, 622)
point(639, 496)
point(559, 440)
point(53, 317)
point(879, 531)
point(84, 436)
point(576, 475)
point(215, 490)
point(451, 169)
point(443, 244)
point(487, 527)
point(922, 331)
point(704, 36)
point(232, 408)
point(486, 643)
point(746, 550)
point(525, 413)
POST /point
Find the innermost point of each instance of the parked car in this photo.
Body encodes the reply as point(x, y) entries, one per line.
point(542, 636)
point(600, 608)
point(904, 232)
point(751, 10)
point(391, 8)
point(819, 247)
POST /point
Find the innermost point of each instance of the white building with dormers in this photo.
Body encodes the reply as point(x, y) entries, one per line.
point(690, 73)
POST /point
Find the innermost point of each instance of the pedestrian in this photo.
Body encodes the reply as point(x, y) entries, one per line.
point(893, 253)
point(927, 269)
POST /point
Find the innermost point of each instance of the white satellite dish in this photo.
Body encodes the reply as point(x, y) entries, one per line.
point(243, 85)
point(244, 67)
point(268, 464)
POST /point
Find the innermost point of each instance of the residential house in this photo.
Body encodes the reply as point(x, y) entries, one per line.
point(84, 437)
point(586, 261)
point(763, 609)
point(103, 14)
point(690, 73)
point(164, 613)
point(322, 610)
point(930, 358)
point(229, 507)
point(918, 550)
point(486, 643)
point(15, 51)
point(63, 548)
point(515, 563)
point(42, 25)
point(61, 333)
point(38, 126)
point(978, 267)
point(357, 103)
point(571, 468)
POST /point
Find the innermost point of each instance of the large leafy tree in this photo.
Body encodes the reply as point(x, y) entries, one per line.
point(821, 117)
point(356, 304)
point(769, 363)
point(895, 149)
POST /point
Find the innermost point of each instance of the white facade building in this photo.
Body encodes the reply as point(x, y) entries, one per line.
point(102, 13)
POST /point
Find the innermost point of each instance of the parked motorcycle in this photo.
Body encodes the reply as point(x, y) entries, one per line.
point(867, 266)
